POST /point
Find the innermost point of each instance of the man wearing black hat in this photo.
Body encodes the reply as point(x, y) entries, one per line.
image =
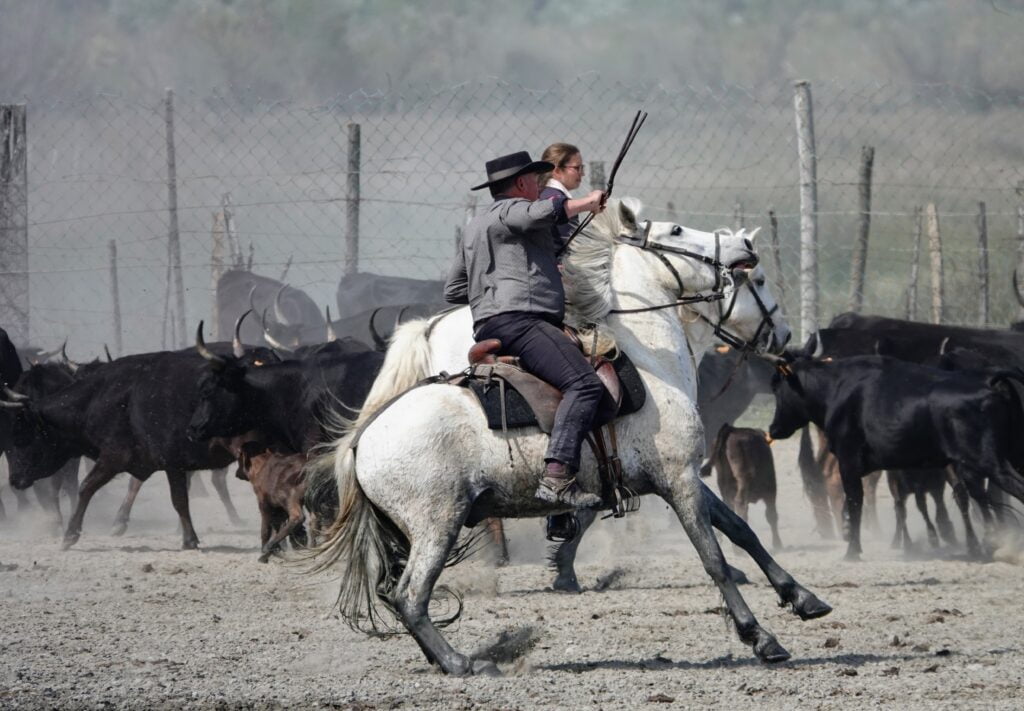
point(506, 270)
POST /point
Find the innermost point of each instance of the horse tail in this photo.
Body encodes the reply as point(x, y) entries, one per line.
point(369, 550)
point(814, 482)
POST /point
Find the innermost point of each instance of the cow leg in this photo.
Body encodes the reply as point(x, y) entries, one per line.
point(295, 517)
point(3, 511)
point(854, 490)
point(563, 556)
point(960, 496)
point(123, 513)
point(69, 481)
point(772, 514)
point(496, 528)
point(942, 520)
point(196, 488)
point(219, 480)
point(48, 495)
point(177, 480)
point(90, 485)
point(869, 484)
point(922, 506)
point(21, 496)
point(804, 602)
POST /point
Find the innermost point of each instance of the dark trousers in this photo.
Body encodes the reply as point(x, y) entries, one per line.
point(545, 351)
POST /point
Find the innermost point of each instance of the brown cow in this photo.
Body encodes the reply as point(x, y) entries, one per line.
point(746, 472)
point(280, 485)
point(828, 465)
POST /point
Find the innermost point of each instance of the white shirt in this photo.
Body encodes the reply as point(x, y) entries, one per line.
point(557, 185)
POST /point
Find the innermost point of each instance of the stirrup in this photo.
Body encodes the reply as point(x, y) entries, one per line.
point(626, 501)
point(567, 531)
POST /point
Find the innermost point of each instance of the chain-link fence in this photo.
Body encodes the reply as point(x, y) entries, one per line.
point(707, 157)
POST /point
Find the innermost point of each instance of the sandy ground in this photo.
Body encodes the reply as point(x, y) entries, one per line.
point(136, 622)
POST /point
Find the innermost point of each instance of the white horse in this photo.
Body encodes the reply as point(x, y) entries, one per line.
point(412, 473)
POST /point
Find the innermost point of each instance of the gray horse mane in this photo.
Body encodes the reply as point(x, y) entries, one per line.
point(587, 275)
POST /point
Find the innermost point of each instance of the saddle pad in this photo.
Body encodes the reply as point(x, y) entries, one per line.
point(519, 414)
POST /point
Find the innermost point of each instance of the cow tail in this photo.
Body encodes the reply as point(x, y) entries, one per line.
point(362, 546)
point(814, 482)
point(1011, 384)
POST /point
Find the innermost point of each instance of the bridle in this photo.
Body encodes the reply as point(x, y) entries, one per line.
point(724, 277)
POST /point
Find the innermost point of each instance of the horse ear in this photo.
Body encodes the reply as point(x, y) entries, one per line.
point(753, 235)
point(629, 214)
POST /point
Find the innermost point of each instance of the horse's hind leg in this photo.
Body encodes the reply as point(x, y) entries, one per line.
point(563, 556)
point(690, 499)
point(427, 556)
point(805, 603)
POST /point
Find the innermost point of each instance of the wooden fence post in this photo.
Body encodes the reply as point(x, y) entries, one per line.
point(1019, 274)
point(173, 237)
point(858, 261)
point(116, 296)
point(673, 215)
point(14, 294)
point(738, 218)
point(935, 247)
point(597, 181)
point(914, 265)
point(352, 200)
point(983, 303)
point(217, 238)
point(808, 209)
point(234, 246)
point(780, 279)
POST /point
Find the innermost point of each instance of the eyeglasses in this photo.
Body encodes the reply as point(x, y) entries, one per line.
point(578, 168)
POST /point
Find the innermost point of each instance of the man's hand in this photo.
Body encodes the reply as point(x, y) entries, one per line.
point(594, 202)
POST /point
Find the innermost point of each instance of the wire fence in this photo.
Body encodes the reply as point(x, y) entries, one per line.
point(707, 157)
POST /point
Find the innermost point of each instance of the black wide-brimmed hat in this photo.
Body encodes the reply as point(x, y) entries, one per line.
point(511, 166)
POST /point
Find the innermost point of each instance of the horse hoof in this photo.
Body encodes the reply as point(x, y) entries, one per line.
point(808, 606)
point(737, 576)
point(69, 540)
point(769, 651)
point(119, 528)
point(567, 585)
point(483, 667)
point(190, 545)
point(852, 557)
point(264, 558)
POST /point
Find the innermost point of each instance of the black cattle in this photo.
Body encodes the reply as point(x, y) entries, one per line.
point(364, 292)
point(855, 334)
point(921, 483)
point(285, 403)
point(373, 327)
point(746, 472)
point(239, 290)
point(882, 413)
point(127, 416)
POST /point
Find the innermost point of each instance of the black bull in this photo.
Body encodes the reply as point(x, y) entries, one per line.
point(128, 416)
point(882, 413)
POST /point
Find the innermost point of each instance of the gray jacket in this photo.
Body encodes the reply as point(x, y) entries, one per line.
point(506, 261)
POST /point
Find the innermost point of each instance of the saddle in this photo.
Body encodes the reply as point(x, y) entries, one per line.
point(511, 397)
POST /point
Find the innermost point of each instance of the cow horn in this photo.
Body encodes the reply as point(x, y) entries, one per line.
point(274, 343)
point(278, 309)
point(942, 346)
point(331, 335)
point(378, 341)
point(72, 365)
point(1016, 289)
point(205, 352)
point(42, 356)
point(13, 396)
point(252, 294)
point(236, 342)
point(12, 405)
point(110, 358)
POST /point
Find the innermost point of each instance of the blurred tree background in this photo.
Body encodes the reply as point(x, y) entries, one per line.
point(314, 49)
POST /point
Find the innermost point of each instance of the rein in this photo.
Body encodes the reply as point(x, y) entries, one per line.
point(716, 294)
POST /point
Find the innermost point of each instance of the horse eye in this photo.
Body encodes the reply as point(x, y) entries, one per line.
point(759, 282)
point(676, 230)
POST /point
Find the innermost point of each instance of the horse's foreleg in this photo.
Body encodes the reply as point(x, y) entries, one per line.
point(563, 556)
point(691, 501)
point(427, 555)
point(805, 603)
